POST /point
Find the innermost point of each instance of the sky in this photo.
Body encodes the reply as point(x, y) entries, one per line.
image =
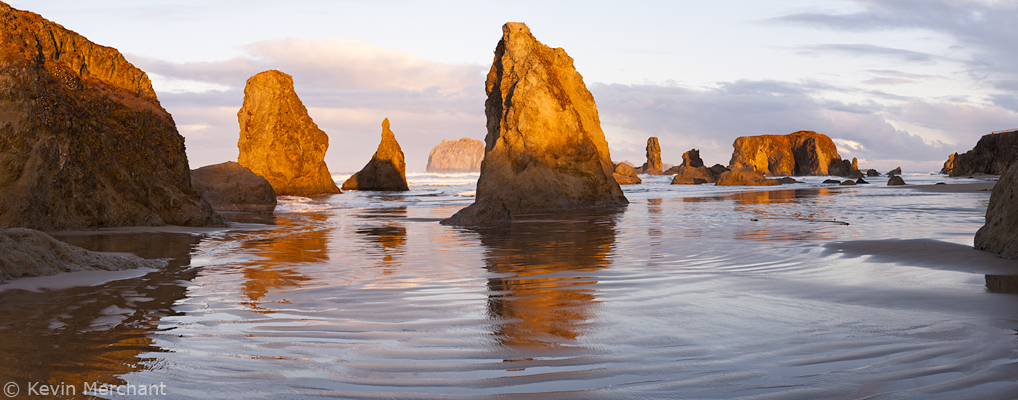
point(894, 83)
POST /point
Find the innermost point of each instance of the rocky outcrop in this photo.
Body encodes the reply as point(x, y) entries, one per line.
point(462, 155)
point(1000, 232)
point(992, 155)
point(895, 180)
point(279, 141)
point(718, 169)
point(386, 170)
point(872, 173)
point(653, 165)
point(232, 187)
point(28, 252)
point(84, 142)
point(745, 178)
point(692, 171)
point(896, 171)
point(625, 174)
point(545, 151)
point(800, 153)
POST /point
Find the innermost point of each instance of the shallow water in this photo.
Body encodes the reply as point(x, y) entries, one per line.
point(688, 292)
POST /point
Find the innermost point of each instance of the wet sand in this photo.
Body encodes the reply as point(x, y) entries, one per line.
point(804, 292)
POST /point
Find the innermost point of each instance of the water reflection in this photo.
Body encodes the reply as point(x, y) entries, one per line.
point(300, 239)
point(544, 294)
point(786, 215)
point(95, 333)
point(388, 236)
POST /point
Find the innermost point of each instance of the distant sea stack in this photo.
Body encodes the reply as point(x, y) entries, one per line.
point(993, 154)
point(462, 155)
point(279, 141)
point(653, 165)
point(545, 151)
point(693, 172)
point(231, 187)
point(385, 171)
point(1000, 232)
point(796, 154)
point(84, 142)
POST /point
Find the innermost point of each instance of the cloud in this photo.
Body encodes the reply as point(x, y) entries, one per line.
point(348, 88)
point(855, 50)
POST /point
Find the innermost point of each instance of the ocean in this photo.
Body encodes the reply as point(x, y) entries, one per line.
point(798, 291)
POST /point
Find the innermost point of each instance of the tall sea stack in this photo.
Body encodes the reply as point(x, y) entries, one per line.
point(278, 139)
point(84, 142)
point(653, 165)
point(386, 170)
point(545, 151)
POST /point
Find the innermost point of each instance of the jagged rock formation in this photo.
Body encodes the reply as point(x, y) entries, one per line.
point(993, 154)
point(279, 141)
point(231, 187)
point(28, 252)
point(800, 153)
point(84, 142)
point(385, 171)
point(745, 178)
point(545, 151)
point(1000, 232)
point(625, 174)
point(653, 165)
point(462, 155)
point(896, 171)
point(692, 171)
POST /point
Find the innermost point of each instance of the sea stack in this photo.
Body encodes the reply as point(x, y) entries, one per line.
point(653, 165)
point(84, 142)
point(992, 155)
point(800, 153)
point(1000, 233)
point(462, 155)
point(385, 171)
point(279, 141)
point(545, 151)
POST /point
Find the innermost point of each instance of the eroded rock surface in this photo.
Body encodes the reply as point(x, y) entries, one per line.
point(462, 155)
point(653, 165)
point(1000, 232)
point(84, 142)
point(745, 178)
point(800, 153)
point(278, 139)
point(545, 151)
point(230, 186)
point(625, 174)
point(28, 252)
point(386, 170)
point(992, 155)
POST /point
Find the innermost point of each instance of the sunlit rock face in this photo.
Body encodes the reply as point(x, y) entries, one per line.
point(745, 178)
point(1000, 233)
point(231, 187)
point(993, 154)
point(278, 139)
point(625, 174)
point(692, 171)
point(385, 171)
point(796, 154)
point(84, 142)
point(545, 151)
point(653, 165)
point(462, 155)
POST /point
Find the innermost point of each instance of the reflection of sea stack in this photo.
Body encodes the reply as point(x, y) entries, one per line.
point(545, 151)
point(385, 171)
point(462, 155)
point(800, 153)
point(1000, 233)
point(84, 142)
point(279, 141)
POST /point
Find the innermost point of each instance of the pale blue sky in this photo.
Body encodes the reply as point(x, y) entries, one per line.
point(903, 83)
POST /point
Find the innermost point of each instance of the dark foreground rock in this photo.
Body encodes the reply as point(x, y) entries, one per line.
point(1000, 232)
point(992, 155)
point(462, 155)
point(895, 180)
point(385, 171)
point(28, 252)
point(545, 151)
point(232, 187)
point(84, 142)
